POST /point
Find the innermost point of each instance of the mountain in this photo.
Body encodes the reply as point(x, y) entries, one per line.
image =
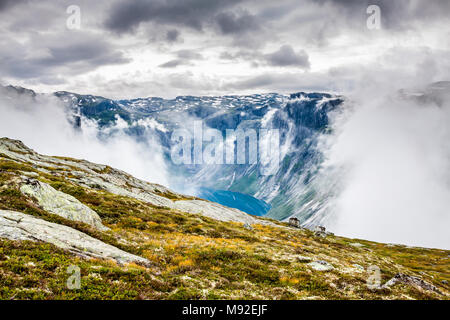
point(294, 189)
point(131, 239)
point(300, 118)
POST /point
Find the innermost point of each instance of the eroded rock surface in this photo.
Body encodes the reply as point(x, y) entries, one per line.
point(303, 259)
point(215, 211)
point(412, 281)
point(321, 265)
point(61, 204)
point(19, 226)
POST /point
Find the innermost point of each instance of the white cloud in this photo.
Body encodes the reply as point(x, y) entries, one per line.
point(391, 160)
point(332, 34)
point(42, 125)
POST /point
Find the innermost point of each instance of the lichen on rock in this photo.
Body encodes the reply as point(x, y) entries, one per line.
point(61, 204)
point(321, 265)
point(19, 226)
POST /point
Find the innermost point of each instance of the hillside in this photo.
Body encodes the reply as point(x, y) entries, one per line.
point(136, 240)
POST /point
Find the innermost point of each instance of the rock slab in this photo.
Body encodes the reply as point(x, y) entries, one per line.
point(18, 226)
point(321, 265)
point(61, 204)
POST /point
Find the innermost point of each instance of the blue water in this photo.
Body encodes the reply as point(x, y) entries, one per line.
point(235, 200)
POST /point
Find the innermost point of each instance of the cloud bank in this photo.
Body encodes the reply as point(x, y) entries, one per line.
point(296, 44)
point(41, 123)
point(391, 158)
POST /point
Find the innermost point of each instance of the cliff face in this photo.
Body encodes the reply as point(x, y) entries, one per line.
point(300, 118)
point(133, 239)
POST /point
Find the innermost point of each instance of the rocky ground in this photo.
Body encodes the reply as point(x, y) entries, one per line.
point(135, 240)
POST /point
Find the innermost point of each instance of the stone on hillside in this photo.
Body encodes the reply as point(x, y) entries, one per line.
point(321, 265)
point(215, 211)
point(19, 226)
point(248, 226)
point(303, 259)
point(294, 222)
point(320, 231)
point(117, 185)
point(61, 204)
point(359, 267)
point(30, 174)
point(412, 281)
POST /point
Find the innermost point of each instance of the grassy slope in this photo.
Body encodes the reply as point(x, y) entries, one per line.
point(194, 257)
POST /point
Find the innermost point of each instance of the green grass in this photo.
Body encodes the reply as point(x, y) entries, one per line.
point(195, 257)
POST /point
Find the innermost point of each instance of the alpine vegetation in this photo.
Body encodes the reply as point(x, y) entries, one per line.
point(155, 243)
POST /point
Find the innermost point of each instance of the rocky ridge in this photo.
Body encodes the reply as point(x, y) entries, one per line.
point(115, 181)
point(88, 175)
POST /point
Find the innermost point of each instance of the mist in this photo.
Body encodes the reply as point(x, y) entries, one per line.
point(391, 158)
point(42, 124)
point(387, 159)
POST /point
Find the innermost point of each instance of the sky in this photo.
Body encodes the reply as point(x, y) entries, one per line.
point(166, 48)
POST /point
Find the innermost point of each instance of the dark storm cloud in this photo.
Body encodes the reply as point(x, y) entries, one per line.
point(232, 23)
point(6, 4)
point(92, 53)
point(286, 56)
point(189, 55)
point(183, 57)
point(172, 35)
point(126, 16)
point(36, 45)
point(46, 57)
point(314, 20)
point(282, 82)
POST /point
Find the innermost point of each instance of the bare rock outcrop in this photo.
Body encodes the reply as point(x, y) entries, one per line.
point(412, 281)
point(19, 226)
point(215, 211)
point(321, 265)
point(61, 204)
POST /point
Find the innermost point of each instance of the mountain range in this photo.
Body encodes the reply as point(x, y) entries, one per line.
point(300, 118)
point(292, 190)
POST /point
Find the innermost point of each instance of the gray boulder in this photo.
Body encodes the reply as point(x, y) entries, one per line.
point(303, 259)
point(19, 226)
point(321, 265)
point(320, 231)
point(61, 204)
point(248, 226)
point(412, 281)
